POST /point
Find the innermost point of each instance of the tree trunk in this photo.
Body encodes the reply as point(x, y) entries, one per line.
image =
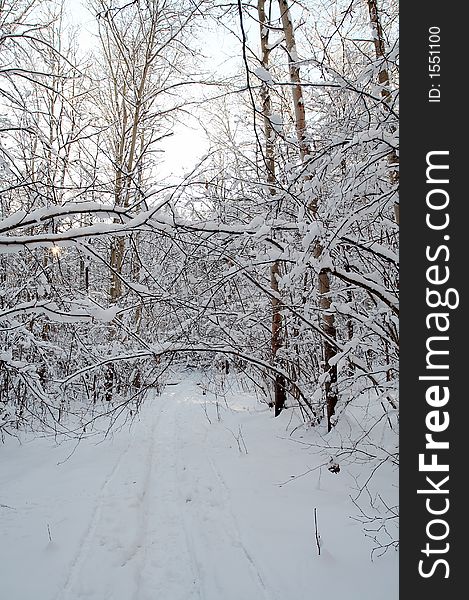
point(277, 338)
point(324, 284)
point(269, 160)
point(294, 69)
point(328, 326)
point(117, 243)
point(383, 78)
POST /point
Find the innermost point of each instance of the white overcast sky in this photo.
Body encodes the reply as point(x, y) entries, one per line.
point(188, 142)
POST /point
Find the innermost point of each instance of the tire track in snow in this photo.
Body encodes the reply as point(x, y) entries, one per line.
point(77, 563)
point(141, 535)
point(150, 495)
point(194, 563)
point(195, 566)
point(161, 512)
point(219, 491)
point(268, 593)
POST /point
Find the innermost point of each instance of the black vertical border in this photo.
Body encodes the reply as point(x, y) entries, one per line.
point(427, 127)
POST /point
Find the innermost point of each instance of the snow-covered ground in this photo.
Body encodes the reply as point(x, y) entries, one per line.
point(183, 506)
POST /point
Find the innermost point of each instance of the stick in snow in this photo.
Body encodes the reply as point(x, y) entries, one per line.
point(318, 537)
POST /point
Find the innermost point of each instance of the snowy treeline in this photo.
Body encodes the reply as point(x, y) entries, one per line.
point(275, 258)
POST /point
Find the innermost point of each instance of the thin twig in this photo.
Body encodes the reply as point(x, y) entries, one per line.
point(318, 537)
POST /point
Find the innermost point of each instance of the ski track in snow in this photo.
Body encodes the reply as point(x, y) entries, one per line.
point(216, 527)
point(268, 594)
point(154, 564)
point(86, 541)
point(91, 540)
point(163, 560)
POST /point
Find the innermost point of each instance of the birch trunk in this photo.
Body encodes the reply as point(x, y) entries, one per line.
point(324, 284)
point(269, 158)
point(383, 78)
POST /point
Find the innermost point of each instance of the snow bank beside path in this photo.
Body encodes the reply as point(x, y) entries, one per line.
point(175, 509)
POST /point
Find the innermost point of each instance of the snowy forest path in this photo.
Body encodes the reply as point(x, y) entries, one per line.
point(135, 546)
point(229, 571)
point(148, 514)
point(187, 503)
